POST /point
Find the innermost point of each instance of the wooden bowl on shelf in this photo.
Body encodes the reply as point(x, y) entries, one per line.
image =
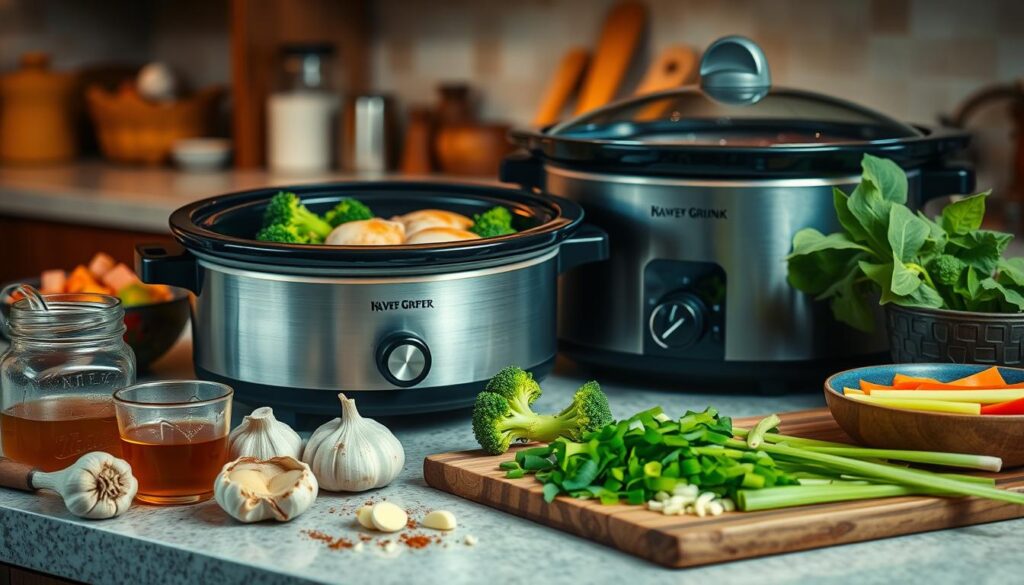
point(890, 428)
point(131, 129)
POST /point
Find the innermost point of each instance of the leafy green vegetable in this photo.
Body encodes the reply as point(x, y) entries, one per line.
point(347, 210)
point(286, 219)
point(496, 221)
point(887, 251)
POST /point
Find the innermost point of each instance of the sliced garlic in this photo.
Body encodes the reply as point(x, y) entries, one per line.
point(388, 517)
point(439, 520)
point(470, 540)
point(279, 488)
point(363, 517)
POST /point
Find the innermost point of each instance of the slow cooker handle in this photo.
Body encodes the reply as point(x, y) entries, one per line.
point(588, 244)
point(951, 179)
point(167, 264)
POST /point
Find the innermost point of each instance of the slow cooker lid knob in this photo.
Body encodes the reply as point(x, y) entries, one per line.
point(734, 70)
point(403, 359)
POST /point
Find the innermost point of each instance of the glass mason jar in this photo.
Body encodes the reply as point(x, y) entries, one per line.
point(58, 377)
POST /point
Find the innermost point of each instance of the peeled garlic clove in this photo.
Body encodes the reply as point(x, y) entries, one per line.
point(262, 436)
point(352, 453)
point(97, 486)
point(363, 516)
point(439, 520)
point(279, 488)
point(388, 517)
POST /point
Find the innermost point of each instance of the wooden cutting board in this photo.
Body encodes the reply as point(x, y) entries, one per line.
point(687, 541)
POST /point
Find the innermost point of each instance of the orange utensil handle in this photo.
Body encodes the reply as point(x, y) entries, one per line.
point(16, 475)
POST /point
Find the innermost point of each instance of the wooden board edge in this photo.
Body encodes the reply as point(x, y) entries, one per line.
point(705, 544)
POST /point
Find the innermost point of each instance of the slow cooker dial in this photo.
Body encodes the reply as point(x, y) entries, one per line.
point(403, 360)
point(677, 321)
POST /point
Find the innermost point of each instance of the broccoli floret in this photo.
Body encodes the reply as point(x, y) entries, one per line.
point(496, 221)
point(347, 210)
point(588, 412)
point(283, 234)
point(286, 210)
point(947, 269)
point(516, 385)
point(502, 413)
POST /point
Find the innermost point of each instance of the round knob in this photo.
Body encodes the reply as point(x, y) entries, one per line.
point(678, 321)
point(403, 360)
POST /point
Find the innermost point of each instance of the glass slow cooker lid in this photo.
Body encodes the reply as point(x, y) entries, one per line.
point(734, 123)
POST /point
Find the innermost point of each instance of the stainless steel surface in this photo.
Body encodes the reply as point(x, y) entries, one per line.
point(368, 139)
point(406, 362)
point(322, 333)
point(744, 226)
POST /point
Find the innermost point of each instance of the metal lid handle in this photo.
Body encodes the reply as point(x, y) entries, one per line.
point(734, 62)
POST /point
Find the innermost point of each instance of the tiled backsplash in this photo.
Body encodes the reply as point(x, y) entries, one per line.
point(912, 59)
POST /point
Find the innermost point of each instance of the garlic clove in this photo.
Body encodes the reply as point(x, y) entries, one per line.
point(279, 488)
point(388, 517)
point(352, 453)
point(97, 486)
point(262, 436)
point(439, 520)
point(363, 517)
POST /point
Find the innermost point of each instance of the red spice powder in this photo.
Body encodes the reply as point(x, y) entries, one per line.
point(416, 540)
point(411, 524)
point(331, 542)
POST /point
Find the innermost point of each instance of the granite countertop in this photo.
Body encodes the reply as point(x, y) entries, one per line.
point(201, 544)
point(138, 198)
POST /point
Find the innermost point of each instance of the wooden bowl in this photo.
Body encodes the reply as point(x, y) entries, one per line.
point(890, 428)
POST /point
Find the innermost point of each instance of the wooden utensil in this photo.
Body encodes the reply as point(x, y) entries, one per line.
point(562, 87)
point(619, 41)
point(473, 149)
point(686, 541)
point(675, 66)
point(416, 148)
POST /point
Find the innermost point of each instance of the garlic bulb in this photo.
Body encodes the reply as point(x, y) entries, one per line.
point(352, 453)
point(97, 486)
point(251, 489)
point(262, 436)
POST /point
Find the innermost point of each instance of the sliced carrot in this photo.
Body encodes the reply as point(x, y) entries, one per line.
point(901, 380)
point(81, 280)
point(990, 378)
point(1004, 408)
point(867, 387)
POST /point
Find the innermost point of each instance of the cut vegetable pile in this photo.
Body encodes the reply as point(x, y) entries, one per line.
point(983, 393)
point(701, 464)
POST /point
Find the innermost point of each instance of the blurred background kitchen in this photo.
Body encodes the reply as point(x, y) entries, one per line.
point(97, 148)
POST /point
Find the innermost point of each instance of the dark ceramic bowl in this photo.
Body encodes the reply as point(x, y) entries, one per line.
point(891, 428)
point(941, 335)
point(151, 329)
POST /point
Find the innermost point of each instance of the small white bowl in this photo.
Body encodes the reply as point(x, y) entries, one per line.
point(201, 154)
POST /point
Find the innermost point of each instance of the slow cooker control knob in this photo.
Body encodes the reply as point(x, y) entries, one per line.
point(677, 321)
point(403, 360)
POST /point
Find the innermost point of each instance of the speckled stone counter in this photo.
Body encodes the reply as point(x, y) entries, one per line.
point(200, 544)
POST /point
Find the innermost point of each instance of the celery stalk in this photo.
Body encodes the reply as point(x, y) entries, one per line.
point(980, 396)
point(906, 477)
point(923, 405)
point(790, 495)
point(982, 462)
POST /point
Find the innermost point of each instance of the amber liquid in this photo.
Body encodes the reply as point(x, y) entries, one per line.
point(175, 462)
point(52, 433)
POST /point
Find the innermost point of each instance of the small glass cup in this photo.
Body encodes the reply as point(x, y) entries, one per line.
point(175, 436)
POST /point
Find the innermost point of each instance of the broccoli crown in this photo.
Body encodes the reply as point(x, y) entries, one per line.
point(286, 210)
point(496, 221)
point(496, 424)
point(516, 385)
point(347, 210)
point(947, 269)
point(588, 412)
point(281, 233)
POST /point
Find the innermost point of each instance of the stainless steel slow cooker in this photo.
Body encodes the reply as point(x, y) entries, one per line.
point(701, 190)
point(408, 328)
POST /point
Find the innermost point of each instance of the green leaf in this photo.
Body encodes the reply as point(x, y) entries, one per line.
point(888, 176)
point(849, 305)
point(907, 233)
point(980, 249)
point(550, 491)
point(935, 244)
point(1011, 270)
point(904, 280)
point(881, 275)
point(872, 212)
point(923, 296)
point(814, 273)
point(1012, 298)
point(810, 240)
point(853, 228)
point(964, 216)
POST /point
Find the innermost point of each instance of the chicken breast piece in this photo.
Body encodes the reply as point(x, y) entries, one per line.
point(437, 235)
point(368, 232)
point(429, 218)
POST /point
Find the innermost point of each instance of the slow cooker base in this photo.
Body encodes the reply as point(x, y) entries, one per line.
point(305, 408)
point(761, 377)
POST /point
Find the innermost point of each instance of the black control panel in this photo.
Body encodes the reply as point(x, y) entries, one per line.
point(684, 310)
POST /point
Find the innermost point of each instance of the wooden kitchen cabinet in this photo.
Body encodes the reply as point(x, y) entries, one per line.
point(12, 575)
point(29, 246)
